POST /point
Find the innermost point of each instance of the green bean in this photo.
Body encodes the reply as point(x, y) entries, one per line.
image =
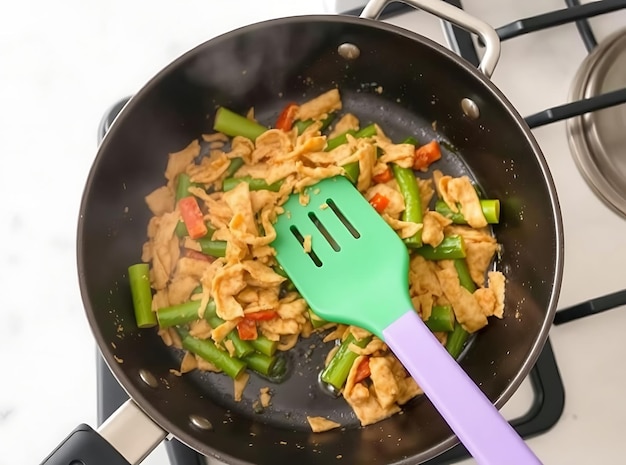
point(260, 363)
point(458, 336)
point(450, 248)
point(139, 280)
point(255, 184)
point(180, 314)
point(352, 171)
point(279, 370)
point(233, 124)
point(409, 188)
point(181, 230)
point(212, 248)
point(367, 131)
point(456, 340)
point(465, 278)
point(327, 121)
point(490, 208)
point(302, 125)
point(183, 183)
point(207, 349)
point(441, 318)
point(264, 345)
point(337, 370)
point(288, 285)
point(315, 320)
point(280, 271)
point(242, 348)
point(410, 140)
point(233, 167)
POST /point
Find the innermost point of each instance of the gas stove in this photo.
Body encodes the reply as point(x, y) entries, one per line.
point(563, 65)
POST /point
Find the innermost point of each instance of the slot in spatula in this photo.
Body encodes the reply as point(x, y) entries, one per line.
point(356, 273)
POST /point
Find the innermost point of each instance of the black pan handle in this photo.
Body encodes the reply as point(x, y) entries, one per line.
point(126, 438)
point(85, 446)
point(456, 16)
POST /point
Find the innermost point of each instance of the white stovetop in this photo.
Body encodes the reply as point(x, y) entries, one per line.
point(65, 62)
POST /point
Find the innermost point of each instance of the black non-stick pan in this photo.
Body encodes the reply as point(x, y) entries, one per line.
point(407, 84)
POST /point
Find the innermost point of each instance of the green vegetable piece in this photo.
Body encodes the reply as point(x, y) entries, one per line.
point(280, 271)
point(352, 171)
point(242, 348)
point(181, 229)
point(456, 340)
point(260, 363)
point(450, 248)
point(233, 124)
point(367, 131)
point(212, 248)
point(441, 318)
point(255, 184)
point(490, 208)
point(302, 125)
point(458, 336)
point(139, 280)
point(207, 349)
point(233, 167)
point(183, 183)
point(176, 315)
point(465, 278)
point(336, 372)
point(316, 321)
point(409, 188)
point(265, 346)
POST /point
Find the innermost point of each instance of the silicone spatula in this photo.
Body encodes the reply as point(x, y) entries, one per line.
point(356, 272)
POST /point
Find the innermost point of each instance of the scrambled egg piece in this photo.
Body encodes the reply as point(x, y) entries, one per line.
point(320, 424)
point(460, 191)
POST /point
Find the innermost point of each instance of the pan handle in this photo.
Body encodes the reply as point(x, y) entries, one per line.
point(125, 438)
point(456, 16)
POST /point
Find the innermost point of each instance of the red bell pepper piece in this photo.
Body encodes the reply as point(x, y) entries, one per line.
point(363, 370)
point(262, 315)
point(192, 216)
point(385, 176)
point(426, 154)
point(379, 202)
point(247, 329)
point(287, 117)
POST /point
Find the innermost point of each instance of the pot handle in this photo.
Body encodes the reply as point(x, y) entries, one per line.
point(125, 438)
point(456, 16)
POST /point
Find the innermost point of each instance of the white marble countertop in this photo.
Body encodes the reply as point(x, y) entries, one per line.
point(64, 63)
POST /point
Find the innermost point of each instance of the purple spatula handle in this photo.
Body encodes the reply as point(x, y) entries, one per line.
point(477, 423)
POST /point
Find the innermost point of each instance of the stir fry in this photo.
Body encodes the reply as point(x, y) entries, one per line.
point(210, 282)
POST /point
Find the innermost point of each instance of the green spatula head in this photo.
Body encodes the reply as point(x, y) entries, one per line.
point(356, 271)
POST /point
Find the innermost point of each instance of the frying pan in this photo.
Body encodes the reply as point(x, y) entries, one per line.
point(410, 86)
